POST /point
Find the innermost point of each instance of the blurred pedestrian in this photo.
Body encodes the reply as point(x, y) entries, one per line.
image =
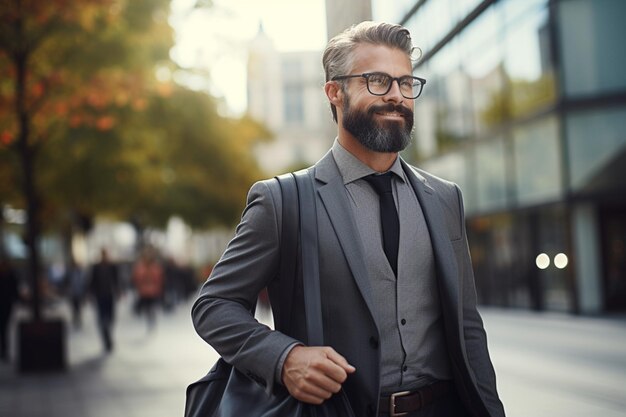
point(398, 299)
point(148, 280)
point(76, 284)
point(9, 295)
point(172, 289)
point(104, 286)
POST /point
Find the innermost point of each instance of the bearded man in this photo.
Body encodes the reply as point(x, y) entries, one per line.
point(402, 332)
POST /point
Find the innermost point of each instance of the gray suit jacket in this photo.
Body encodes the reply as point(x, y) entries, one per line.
point(221, 314)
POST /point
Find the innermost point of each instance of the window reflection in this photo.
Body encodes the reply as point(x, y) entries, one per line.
point(491, 176)
point(453, 167)
point(391, 11)
point(453, 119)
point(426, 117)
point(537, 161)
point(528, 64)
point(461, 8)
point(484, 71)
point(592, 52)
point(597, 148)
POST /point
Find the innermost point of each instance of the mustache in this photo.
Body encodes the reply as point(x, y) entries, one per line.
point(389, 108)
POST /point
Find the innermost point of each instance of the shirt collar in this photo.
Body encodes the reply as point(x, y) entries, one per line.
point(352, 169)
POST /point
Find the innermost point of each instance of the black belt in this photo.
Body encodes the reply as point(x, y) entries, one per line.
point(404, 402)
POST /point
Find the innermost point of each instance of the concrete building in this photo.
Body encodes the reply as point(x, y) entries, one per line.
point(340, 15)
point(525, 108)
point(286, 93)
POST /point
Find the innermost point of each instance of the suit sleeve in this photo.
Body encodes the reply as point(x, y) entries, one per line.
point(221, 314)
point(473, 330)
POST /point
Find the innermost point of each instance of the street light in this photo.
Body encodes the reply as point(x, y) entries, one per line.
point(542, 261)
point(560, 260)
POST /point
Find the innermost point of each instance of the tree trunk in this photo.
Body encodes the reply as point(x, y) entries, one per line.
point(26, 151)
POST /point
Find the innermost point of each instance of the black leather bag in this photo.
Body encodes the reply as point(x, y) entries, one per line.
point(226, 392)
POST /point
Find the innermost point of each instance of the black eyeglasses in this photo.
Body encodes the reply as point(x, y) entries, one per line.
point(379, 83)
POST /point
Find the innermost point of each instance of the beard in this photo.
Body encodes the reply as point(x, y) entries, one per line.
point(384, 136)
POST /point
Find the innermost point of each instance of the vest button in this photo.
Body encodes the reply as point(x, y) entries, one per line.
point(373, 342)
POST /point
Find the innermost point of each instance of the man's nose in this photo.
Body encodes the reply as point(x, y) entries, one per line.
point(394, 95)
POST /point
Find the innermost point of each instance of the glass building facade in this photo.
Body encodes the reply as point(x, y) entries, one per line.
point(525, 109)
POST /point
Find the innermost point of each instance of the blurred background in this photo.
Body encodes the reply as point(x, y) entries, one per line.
point(130, 132)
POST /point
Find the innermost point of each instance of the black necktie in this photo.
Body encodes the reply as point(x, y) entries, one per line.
point(388, 216)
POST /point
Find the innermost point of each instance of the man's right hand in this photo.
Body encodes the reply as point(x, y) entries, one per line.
point(313, 374)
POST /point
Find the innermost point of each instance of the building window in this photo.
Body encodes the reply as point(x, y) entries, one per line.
point(537, 162)
point(453, 167)
point(294, 111)
point(293, 91)
point(597, 149)
point(592, 50)
point(528, 63)
point(491, 176)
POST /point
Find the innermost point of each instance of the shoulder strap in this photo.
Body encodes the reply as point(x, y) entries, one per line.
point(299, 230)
point(310, 257)
point(289, 239)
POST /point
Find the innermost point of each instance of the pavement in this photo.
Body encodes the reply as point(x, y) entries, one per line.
point(548, 365)
point(553, 365)
point(145, 375)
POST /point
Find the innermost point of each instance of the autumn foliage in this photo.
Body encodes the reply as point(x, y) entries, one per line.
point(78, 87)
point(87, 130)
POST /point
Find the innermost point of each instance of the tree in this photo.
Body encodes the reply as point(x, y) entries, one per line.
point(93, 131)
point(208, 163)
point(60, 71)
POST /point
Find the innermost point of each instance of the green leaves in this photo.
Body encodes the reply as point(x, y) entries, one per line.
point(111, 139)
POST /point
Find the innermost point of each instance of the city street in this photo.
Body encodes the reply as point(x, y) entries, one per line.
point(548, 365)
point(554, 365)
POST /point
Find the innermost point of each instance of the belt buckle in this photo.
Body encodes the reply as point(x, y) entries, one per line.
point(392, 403)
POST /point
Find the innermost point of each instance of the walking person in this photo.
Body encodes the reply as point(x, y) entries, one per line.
point(398, 298)
point(104, 286)
point(76, 283)
point(148, 278)
point(9, 295)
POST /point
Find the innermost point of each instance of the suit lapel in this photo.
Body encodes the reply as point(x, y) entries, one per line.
point(445, 259)
point(335, 202)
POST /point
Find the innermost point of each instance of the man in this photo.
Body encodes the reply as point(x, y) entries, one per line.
point(148, 280)
point(105, 289)
point(399, 306)
point(76, 283)
point(9, 295)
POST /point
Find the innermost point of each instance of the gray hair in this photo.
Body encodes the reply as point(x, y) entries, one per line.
point(337, 58)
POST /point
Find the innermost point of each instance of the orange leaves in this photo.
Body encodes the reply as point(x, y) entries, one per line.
point(105, 123)
point(164, 89)
point(6, 138)
point(37, 90)
point(37, 13)
point(102, 123)
point(97, 99)
point(140, 104)
point(60, 109)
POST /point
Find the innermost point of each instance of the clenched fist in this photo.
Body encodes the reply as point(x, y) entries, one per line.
point(313, 374)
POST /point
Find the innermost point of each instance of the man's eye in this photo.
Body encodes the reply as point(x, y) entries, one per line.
point(379, 79)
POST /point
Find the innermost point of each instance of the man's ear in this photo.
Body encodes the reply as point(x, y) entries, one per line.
point(334, 92)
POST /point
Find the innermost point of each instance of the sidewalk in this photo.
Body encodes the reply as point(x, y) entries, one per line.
point(547, 365)
point(145, 376)
point(558, 365)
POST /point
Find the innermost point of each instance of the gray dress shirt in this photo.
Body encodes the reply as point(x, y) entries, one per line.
point(408, 316)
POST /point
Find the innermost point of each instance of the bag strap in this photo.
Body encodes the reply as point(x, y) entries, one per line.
point(289, 240)
point(310, 257)
point(299, 230)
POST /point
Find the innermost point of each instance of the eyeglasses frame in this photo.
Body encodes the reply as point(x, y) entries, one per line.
point(366, 75)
